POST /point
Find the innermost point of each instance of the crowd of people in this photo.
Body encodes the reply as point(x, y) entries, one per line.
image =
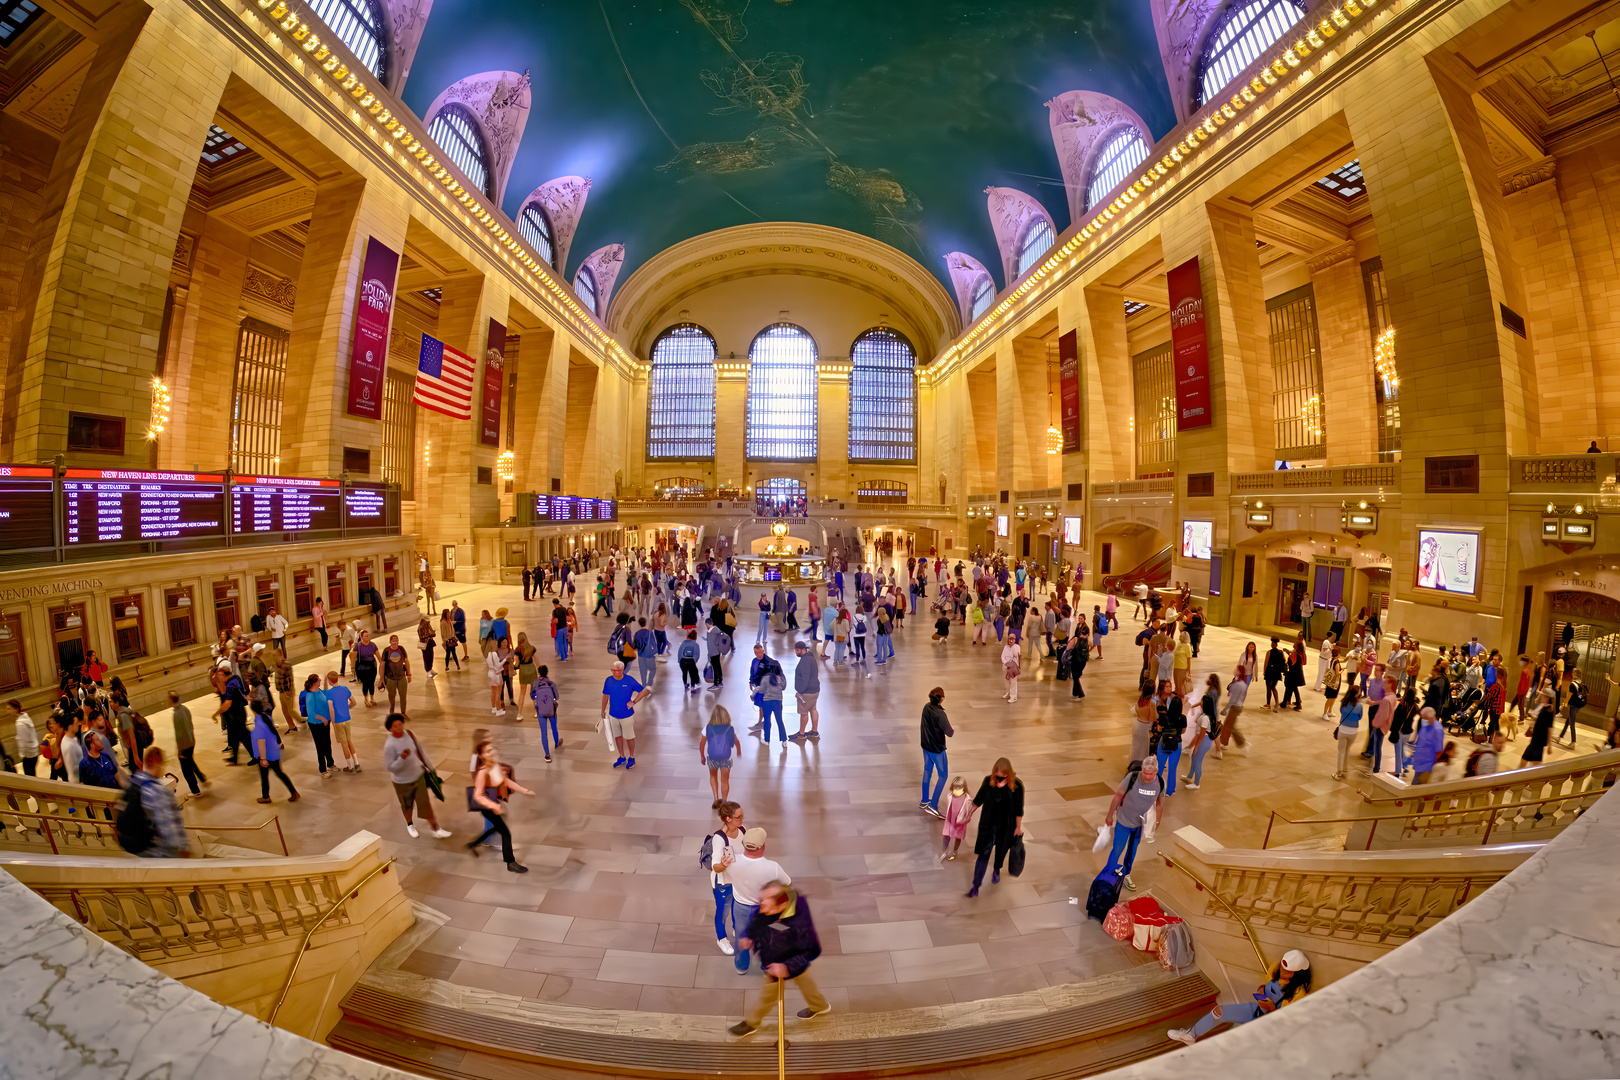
point(668, 606)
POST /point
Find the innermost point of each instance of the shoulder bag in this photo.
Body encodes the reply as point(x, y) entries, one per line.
point(430, 775)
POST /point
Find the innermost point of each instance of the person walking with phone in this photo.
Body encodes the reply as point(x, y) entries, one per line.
point(408, 767)
point(492, 787)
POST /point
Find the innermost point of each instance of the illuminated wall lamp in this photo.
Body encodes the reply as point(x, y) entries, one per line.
point(1360, 519)
point(1257, 517)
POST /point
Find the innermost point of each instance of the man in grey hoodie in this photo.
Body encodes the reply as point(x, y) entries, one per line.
point(719, 643)
point(806, 689)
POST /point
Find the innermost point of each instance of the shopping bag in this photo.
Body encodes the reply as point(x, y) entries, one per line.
point(1105, 836)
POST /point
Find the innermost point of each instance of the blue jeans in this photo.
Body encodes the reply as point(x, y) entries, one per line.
point(1197, 769)
point(561, 641)
point(1169, 773)
point(1377, 749)
point(764, 625)
point(741, 915)
point(1125, 842)
point(552, 722)
point(940, 765)
point(1231, 1012)
point(769, 709)
point(722, 911)
point(1399, 744)
point(884, 649)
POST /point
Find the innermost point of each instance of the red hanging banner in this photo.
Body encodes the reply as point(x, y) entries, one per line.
point(1069, 389)
point(368, 343)
point(1190, 345)
point(494, 377)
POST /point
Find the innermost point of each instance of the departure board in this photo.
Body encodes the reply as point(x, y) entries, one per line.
point(570, 508)
point(365, 507)
point(27, 507)
point(285, 504)
point(118, 506)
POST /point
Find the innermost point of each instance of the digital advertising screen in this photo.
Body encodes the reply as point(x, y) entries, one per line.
point(1197, 539)
point(1071, 531)
point(1001, 524)
point(1448, 561)
point(27, 507)
point(116, 506)
point(285, 504)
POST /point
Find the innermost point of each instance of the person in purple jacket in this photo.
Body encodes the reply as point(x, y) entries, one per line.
point(785, 937)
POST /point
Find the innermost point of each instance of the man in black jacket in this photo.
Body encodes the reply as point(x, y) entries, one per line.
point(935, 727)
point(785, 937)
point(1276, 668)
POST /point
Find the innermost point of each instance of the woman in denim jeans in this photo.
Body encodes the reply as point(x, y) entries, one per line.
point(724, 847)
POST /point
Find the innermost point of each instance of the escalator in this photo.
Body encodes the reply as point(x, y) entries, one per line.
point(1153, 572)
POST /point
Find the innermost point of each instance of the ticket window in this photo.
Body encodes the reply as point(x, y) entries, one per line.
point(517, 554)
point(390, 576)
point(129, 627)
point(178, 610)
point(362, 573)
point(335, 598)
point(227, 613)
point(303, 592)
point(70, 636)
point(13, 654)
point(265, 591)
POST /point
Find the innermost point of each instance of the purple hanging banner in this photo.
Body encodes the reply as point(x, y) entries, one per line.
point(368, 345)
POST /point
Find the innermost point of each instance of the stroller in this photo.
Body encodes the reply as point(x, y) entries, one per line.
point(1466, 714)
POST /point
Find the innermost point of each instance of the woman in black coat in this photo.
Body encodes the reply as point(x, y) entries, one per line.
point(1001, 802)
point(1295, 677)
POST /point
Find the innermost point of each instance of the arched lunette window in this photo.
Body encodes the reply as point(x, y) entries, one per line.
point(585, 288)
point(1247, 29)
point(680, 395)
point(535, 225)
point(882, 398)
point(1037, 240)
point(984, 291)
point(1119, 156)
point(782, 395)
point(456, 132)
point(359, 25)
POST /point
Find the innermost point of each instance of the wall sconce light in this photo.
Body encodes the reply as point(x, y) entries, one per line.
point(1359, 518)
point(1257, 516)
point(506, 464)
point(1568, 528)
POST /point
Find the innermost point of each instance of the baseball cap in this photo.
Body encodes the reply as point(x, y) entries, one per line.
point(754, 838)
point(1294, 960)
point(800, 646)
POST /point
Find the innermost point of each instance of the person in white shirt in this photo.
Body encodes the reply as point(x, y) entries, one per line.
point(1324, 661)
point(348, 637)
point(1140, 591)
point(724, 848)
point(749, 875)
point(276, 623)
point(27, 738)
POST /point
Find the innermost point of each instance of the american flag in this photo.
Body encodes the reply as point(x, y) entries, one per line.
point(444, 379)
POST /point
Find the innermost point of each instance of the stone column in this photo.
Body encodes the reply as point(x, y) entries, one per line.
point(1350, 400)
point(207, 327)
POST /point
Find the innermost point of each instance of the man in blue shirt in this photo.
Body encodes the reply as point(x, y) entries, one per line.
point(619, 695)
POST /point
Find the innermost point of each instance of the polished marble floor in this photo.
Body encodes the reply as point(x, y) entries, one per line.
point(616, 913)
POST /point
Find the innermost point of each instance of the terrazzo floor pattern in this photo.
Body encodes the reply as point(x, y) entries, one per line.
point(616, 913)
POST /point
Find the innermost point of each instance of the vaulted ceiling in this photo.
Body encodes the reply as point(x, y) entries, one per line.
point(887, 118)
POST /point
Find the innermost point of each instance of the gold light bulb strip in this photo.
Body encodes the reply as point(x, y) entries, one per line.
point(288, 20)
point(1176, 159)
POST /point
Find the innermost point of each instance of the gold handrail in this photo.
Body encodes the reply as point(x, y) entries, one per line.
point(303, 946)
point(1259, 955)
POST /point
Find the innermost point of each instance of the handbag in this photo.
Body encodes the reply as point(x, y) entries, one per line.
point(1015, 857)
point(430, 775)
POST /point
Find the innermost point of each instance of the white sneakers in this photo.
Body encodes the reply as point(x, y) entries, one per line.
point(441, 833)
point(1183, 1035)
point(725, 946)
point(410, 827)
point(1129, 884)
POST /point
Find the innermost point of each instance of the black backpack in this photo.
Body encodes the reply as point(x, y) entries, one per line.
point(135, 830)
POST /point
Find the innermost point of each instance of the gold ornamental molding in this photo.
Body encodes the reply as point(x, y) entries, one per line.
point(1332, 257)
point(277, 291)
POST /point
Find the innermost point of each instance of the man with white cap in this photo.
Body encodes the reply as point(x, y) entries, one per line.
point(1290, 980)
point(620, 693)
point(749, 875)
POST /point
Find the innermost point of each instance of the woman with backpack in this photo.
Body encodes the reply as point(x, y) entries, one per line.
point(1167, 746)
point(1289, 981)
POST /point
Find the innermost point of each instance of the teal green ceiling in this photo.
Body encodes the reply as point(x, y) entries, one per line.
point(885, 117)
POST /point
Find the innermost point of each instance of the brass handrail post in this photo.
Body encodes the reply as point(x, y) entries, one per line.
point(303, 946)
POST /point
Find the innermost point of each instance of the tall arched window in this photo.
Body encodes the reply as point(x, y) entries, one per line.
point(1037, 239)
point(680, 395)
point(585, 288)
point(1248, 28)
point(456, 132)
point(359, 25)
point(983, 292)
point(882, 398)
point(535, 225)
point(782, 395)
point(1122, 153)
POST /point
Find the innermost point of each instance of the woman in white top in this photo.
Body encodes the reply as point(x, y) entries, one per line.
point(1324, 661)
point(495, 664)
point(492, 786)
point(1010, 669)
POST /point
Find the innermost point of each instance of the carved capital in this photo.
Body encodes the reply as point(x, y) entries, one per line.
point(270, 288)
point(1330, 258)
point(1535, 173)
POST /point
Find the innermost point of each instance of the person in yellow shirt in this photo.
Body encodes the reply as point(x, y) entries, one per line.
point(1183, 663)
